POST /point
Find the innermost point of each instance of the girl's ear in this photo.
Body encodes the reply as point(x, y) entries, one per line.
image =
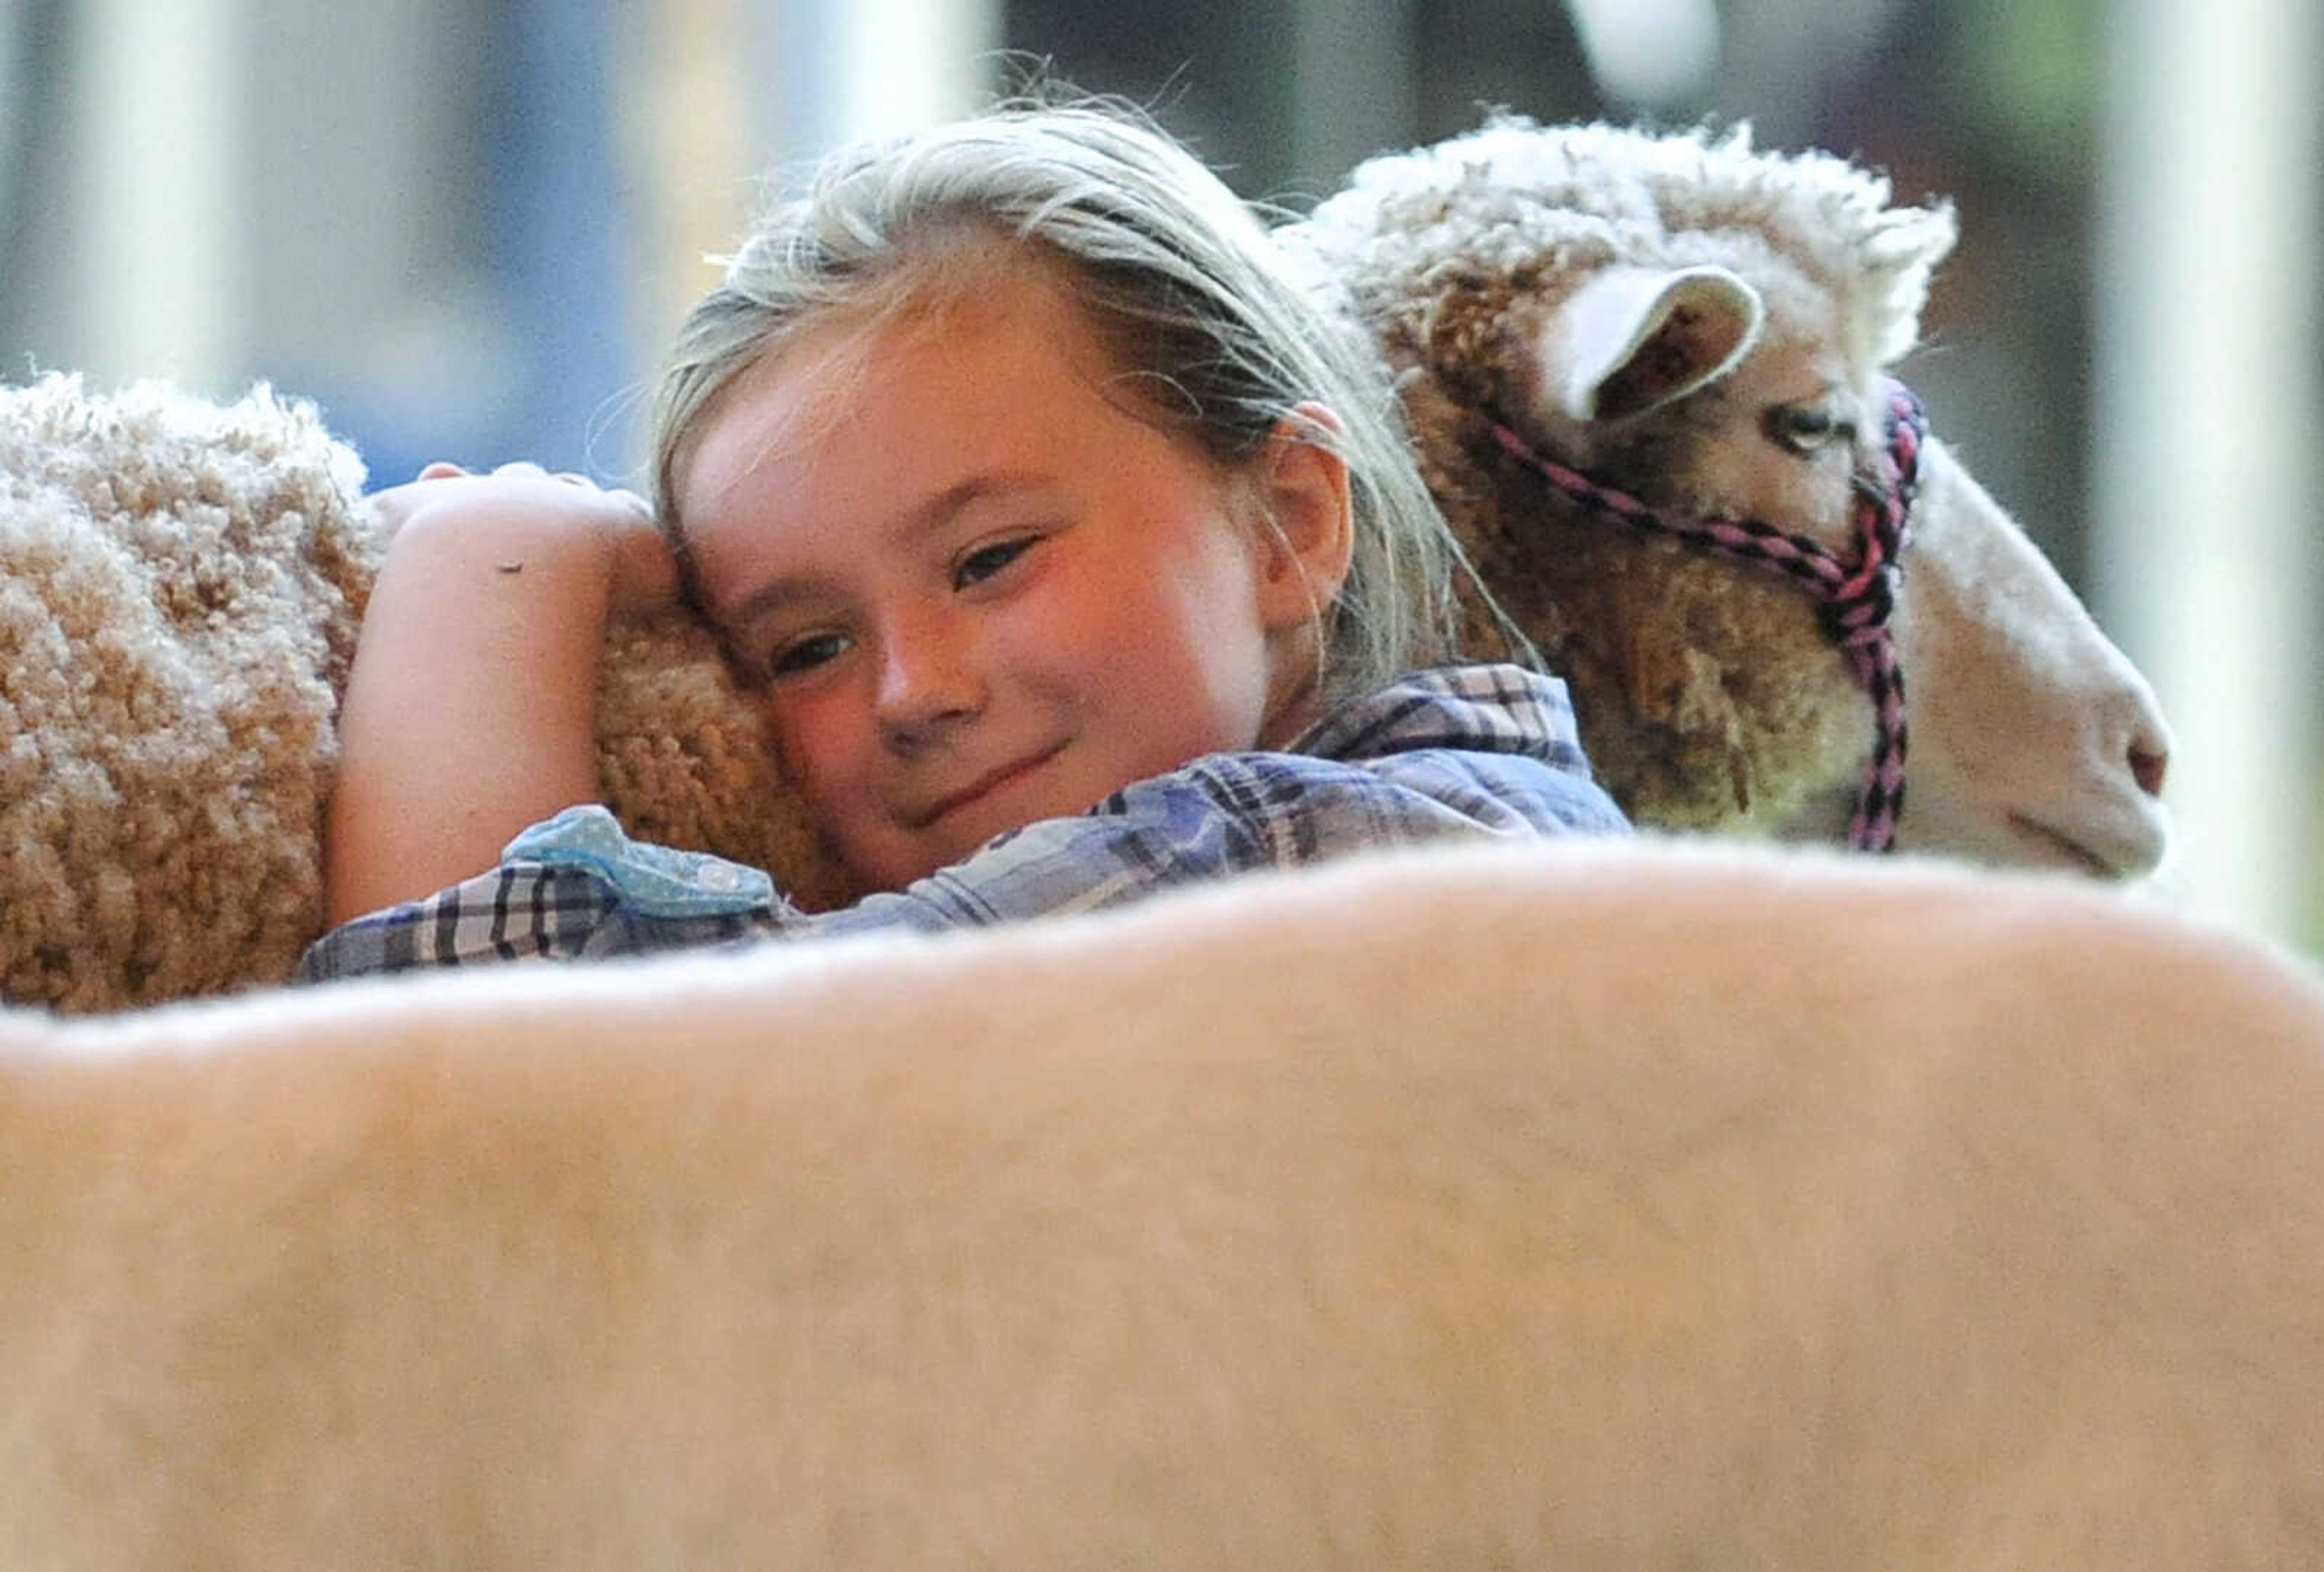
point(1306, 532)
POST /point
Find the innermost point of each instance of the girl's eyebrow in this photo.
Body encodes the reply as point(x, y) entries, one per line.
point(950, 503)
point(923, 520)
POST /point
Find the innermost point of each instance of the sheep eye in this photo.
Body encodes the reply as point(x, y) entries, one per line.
point(1808, 427)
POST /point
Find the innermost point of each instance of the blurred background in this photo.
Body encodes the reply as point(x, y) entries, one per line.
point(468, 227)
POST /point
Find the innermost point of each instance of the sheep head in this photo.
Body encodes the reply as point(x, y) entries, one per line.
point(1708, 328)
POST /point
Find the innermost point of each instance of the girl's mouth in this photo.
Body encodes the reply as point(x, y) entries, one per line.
point(986, 785)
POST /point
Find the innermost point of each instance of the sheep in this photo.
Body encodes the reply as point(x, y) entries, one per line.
point(1705, 331)
point(1401, 1215)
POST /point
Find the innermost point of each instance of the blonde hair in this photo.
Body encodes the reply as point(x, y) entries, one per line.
point(1179, 284)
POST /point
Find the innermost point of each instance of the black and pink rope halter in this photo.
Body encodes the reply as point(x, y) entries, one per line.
point(1853, 596)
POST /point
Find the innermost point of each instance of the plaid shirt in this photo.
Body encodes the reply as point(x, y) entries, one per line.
point(1461, 750)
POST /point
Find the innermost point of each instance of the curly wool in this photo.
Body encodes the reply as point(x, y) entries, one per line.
point(1526, 206)
point(180, 588)
point(178, 602)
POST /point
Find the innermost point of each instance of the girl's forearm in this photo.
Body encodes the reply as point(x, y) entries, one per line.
point(469, 711)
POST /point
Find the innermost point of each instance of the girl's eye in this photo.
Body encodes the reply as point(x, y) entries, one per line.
point(801, 655)
point(988, 561)
point(1807, 428)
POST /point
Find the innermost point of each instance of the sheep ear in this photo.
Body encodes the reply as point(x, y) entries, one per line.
point(1632, 339)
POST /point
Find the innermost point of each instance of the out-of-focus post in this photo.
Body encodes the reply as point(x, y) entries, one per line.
point(2207, 407)
point(873, 67)
point(1352, 87)
point(158, 122)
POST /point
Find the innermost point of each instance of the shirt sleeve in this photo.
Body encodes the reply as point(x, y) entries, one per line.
point(575, 886)
point(571, 887)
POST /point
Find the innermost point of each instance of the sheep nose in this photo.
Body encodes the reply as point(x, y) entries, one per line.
point(2149, 758)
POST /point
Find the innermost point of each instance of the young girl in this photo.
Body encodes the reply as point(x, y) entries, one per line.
point(1070, 554)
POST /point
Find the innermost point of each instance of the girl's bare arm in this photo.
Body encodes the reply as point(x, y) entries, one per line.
point(469, 713)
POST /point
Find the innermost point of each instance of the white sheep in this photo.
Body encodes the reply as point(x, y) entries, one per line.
point(1582, 1205)
point(1707, 329)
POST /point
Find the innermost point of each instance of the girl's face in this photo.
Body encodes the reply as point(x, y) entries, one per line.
point(977, 592)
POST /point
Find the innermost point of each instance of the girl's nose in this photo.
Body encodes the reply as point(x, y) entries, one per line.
point(929, 679)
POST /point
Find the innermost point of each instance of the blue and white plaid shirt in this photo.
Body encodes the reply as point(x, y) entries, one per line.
point(1461, 750)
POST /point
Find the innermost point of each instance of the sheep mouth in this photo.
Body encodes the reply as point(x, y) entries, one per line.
point(2063, 848)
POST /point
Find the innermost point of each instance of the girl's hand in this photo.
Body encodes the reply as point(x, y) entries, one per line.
point(644, 573)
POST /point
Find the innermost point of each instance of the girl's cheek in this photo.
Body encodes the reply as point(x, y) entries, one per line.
point(809, 738)
point(779, 726)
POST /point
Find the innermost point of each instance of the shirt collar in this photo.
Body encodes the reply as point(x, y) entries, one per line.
point(1478, 708)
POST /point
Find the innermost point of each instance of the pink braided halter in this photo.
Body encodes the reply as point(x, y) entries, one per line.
point(1853, 598)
